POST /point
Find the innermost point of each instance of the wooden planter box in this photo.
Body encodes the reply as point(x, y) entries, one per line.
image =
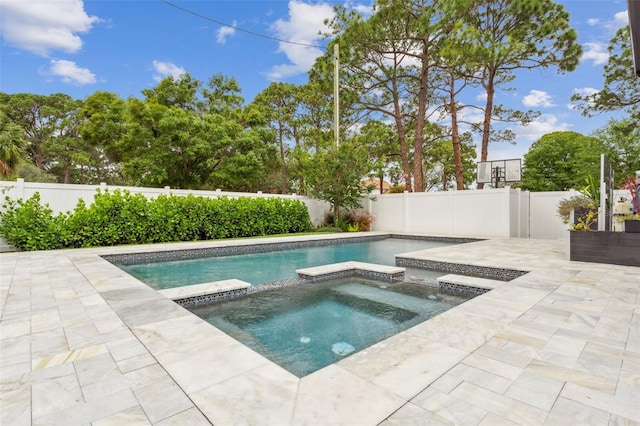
point(632, 226)
point(617, 248)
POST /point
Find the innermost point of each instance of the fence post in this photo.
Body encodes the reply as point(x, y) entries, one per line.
point(507, 197)
point(405, 212)
point(450, 213)
point(20, 189)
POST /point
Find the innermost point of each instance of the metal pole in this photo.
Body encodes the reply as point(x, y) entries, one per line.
point(336, 99)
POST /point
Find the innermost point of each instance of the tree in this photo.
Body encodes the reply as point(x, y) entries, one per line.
point(441, 165)
point(560, 161)
point(375, 69)
point(508, 35)
point(621, 89)
point(66, 151)
point(38, 118)
point(181, 137)
point(11, 146)
point(50, 126)
point(102, 127)
point(381, 142)
point(311, 131)
point(31, 173)
point(180, 92)
point(622, 139)
point(278, 103)
point(336, 176)
point(222, 95)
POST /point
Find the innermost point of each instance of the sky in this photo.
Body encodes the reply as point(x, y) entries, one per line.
point(78, 47)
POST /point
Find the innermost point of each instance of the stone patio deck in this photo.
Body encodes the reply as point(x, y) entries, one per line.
point(82, 342)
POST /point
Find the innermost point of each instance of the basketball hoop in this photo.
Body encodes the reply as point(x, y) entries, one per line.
point(499, 171)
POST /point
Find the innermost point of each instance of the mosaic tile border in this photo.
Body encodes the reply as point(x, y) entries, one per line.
point(459, 240)
point(274, 285)
point(460, 289)
point(221, 296)
point(162, 256)
point(355, 272)
point(502, 274)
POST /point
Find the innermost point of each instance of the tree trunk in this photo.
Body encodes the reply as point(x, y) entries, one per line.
point(445, 179)
point(402, 137)
point(489, 86)
point(283, 170)
point(418, 175)
point(455, 135)
point(67, 173)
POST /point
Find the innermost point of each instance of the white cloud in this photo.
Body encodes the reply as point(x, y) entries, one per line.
point(164, 69)
point(582, 91)
point(482, 96)
point(70, 73)
point(585, 91)
point(225, 32)
point(596, 52)
point(303, 26)
point(620, 19)
point(538, 98)
point(539, 127)
point(363, 9)
point(525, 136)
point(44, 26)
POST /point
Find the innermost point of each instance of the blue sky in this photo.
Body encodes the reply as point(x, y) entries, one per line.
point(79, 47)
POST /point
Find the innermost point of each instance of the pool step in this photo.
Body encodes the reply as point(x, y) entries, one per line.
point(398, 300)
point(465, 285)
point(191, 295)
point(347, 269)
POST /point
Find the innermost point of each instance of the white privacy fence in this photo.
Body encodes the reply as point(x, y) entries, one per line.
point(488, 213)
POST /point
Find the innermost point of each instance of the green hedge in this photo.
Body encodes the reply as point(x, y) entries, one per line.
point(120, 217)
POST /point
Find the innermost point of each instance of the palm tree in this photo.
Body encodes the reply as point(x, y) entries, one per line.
point(11, 146)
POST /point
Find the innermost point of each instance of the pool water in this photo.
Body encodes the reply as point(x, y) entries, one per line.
point(307, 327)
point(259, 268)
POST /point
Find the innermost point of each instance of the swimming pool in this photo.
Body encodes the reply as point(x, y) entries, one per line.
point(306, 327)
point(274, 265)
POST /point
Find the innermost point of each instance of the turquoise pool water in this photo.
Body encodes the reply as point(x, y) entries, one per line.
point(307, 327)
point(259, 268)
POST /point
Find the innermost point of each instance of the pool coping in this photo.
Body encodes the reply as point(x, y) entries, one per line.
point(352, 268)
point(464, 285)
point(214, 291)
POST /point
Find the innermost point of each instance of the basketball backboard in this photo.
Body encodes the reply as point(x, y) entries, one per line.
point(499, 171)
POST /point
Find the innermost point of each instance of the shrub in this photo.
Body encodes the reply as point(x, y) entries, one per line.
point(120, 217)
point(363, 219)
point(113, 219)
point(29, 225)
point(578, 203)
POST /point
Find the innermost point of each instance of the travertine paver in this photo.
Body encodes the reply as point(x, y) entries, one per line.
point(82, 342)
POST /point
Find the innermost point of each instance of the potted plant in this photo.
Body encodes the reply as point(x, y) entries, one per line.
point(601, 247)
point(584, 207)
point(632, 221)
